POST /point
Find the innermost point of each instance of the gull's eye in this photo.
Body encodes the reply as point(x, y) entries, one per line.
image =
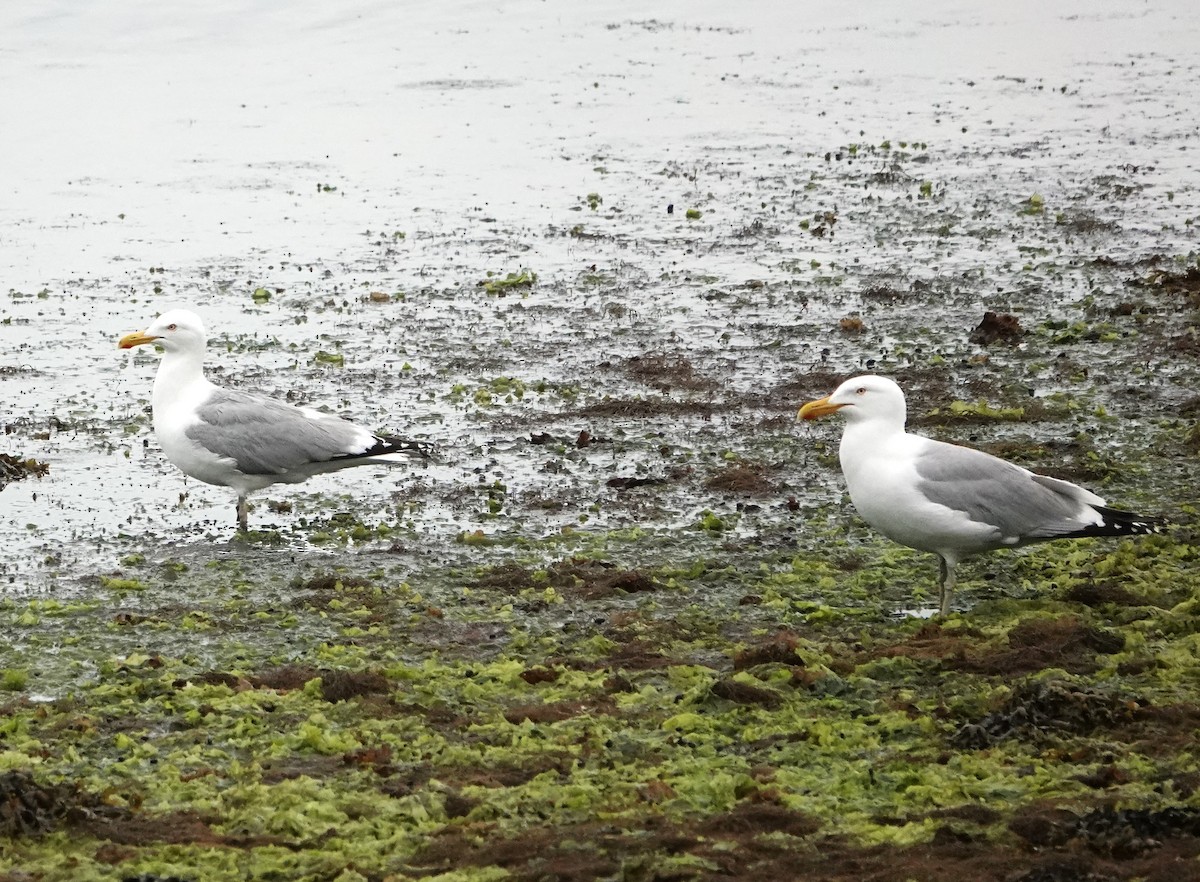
point(172, 327)
point(861, 390)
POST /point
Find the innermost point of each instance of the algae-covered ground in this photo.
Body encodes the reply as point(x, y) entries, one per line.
point(626, 625)
point(745, 711)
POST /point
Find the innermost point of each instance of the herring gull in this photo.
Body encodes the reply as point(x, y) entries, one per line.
point(240, 440)
point(951, 500)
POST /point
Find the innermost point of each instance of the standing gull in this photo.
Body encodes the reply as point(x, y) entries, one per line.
point(239, 440)
point(951, 500)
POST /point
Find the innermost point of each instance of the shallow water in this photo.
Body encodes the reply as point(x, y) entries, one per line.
point(161, 154)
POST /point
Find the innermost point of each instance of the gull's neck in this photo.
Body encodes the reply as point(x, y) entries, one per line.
point(863, 440)
point(180, 379)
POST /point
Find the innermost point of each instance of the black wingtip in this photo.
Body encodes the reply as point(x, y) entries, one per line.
point(387, 444)
point(391, 444)
point(1123, 523)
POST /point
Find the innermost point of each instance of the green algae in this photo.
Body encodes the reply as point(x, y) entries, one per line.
point(14, 679)
point(980, 410)
point(115, 583)
point(334, 359)
point(359, 719)
point(510, 282)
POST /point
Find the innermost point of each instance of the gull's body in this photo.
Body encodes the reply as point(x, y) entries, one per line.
point(951, 500)
point(240, 440)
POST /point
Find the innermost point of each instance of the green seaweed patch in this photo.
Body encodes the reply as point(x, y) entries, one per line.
point(1062, 332)
point(978, 410)
point(1034, 205)
point(333, 359)
point(475, 538)
point(254, 537)
point(117, 583)
point(510, 282)
point(14, 679)
point(506, 390)
point(711, 522)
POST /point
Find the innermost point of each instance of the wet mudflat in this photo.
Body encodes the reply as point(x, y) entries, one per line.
point(626, 625)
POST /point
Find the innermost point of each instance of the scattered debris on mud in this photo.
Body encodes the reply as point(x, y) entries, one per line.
point(997, 328)
point(14, 469)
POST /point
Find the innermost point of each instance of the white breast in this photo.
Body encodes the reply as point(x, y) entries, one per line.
point(173, 415)
point(884, 487)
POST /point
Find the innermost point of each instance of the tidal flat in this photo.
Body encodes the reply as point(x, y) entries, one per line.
point(626, 625)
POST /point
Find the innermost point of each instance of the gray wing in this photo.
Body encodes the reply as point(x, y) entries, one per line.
point(267, 437)
point(1021, 505)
